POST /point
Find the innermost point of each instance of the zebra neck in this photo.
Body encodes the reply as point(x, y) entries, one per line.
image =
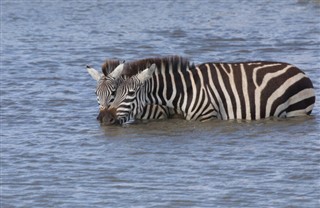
point(163, 89)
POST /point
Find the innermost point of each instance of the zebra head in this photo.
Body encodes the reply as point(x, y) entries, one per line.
point(107, 84)
point(130, 98)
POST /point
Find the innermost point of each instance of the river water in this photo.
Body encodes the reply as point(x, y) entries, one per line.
point(55, 154)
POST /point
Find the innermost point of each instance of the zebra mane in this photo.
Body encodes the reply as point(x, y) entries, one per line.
point(134, 67)
point(109, 65)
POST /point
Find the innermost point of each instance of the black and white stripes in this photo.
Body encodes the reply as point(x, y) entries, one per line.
point(248, 90)
point(258, 90)
point(107, 83)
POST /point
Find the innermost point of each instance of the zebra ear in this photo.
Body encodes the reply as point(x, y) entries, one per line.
point(147, 73)
point(94, 73)
point(116, 73)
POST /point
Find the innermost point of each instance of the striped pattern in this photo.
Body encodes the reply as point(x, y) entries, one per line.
point(107, 84)
point(258, 90)
point(106, 89)
point(249, 90)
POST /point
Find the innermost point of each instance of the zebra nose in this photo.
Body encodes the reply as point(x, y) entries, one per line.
point(100, 116)
point(108, 120)
point(108, 117)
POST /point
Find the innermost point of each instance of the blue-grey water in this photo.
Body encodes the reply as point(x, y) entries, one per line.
point(55, 154)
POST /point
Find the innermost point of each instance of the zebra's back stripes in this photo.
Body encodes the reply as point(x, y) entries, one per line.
point(255, 90)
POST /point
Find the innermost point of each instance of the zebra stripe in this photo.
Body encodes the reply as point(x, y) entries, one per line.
point(107, 84)
point(245, 95)
point(218, 101)
point(248, 90)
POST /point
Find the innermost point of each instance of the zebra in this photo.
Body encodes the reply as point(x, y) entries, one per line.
point(243, 90)
point(107, 82)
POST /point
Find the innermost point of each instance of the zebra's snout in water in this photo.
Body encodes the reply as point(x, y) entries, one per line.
point(107, 117)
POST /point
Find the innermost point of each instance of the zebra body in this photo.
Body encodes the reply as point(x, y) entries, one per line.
point(107, 83)
point(248, 90)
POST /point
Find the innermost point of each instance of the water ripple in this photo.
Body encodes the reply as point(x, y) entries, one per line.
point(54, 153)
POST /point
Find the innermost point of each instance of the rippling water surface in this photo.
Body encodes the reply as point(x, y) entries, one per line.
point(55, 154)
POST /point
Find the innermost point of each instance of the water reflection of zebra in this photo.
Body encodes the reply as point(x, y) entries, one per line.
point(107, 83)
point(248, 90)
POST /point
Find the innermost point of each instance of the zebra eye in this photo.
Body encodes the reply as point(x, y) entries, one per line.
point(131, 93)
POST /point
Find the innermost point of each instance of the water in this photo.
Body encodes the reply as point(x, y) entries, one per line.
point(55, 154)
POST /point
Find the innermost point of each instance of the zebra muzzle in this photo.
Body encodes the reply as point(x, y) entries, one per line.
point(107, 117)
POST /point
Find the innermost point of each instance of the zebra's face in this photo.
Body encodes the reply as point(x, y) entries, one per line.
point(105, 91)
point(128, 102)
point(130, 98)
point(106, 87)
